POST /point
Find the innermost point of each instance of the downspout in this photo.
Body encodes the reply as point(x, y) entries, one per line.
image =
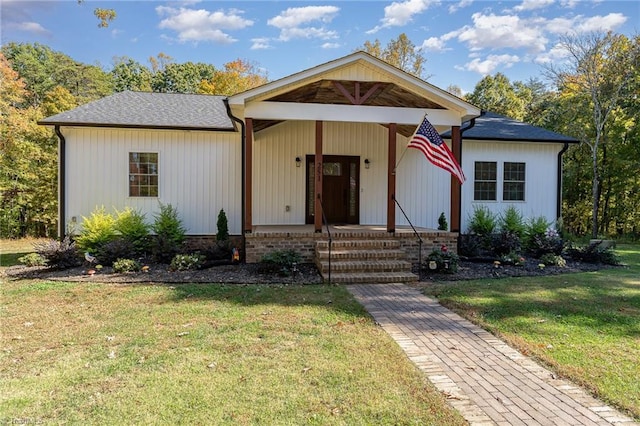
point(62, 195)
point(243, 155)
point(559, 188)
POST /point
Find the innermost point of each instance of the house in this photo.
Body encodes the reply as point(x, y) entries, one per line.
point(328, 142)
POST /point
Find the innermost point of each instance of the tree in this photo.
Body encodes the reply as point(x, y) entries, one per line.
point(598, 71)
point(237, 77)
point(497, 94)
point(400, 53)
point(128, 74)
point(104, 15)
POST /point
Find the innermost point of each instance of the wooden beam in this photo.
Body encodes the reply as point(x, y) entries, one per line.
point(317, 219)
point(456, 148)
point(248, 140)
point(269, 110)
point(356, 99)
point(391, 178)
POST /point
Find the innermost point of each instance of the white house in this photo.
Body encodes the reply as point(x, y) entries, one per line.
point(329, 141)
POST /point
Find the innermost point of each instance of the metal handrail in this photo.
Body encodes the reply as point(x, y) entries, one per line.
point(416, 234)
point(326, 223)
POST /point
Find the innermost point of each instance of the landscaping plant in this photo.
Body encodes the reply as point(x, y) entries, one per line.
point(58, 254)
point(170, 234)
point(97, 230)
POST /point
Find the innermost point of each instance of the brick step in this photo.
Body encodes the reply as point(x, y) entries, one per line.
point(363, 266)
point(372, 277)
point(358, 244)
point(342, 254)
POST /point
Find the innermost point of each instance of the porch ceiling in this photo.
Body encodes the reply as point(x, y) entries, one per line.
point(367, 93)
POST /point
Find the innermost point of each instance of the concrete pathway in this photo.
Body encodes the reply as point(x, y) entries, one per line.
point(488, 382)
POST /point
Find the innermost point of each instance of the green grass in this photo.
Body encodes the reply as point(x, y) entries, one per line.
point(585, 326)
point(203, 354)
point(12, 250)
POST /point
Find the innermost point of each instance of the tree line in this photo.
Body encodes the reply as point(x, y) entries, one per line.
point(593, 97)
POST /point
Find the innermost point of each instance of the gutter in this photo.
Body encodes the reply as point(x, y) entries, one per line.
point(62, 178)
point(243, 160)
point(559, 187)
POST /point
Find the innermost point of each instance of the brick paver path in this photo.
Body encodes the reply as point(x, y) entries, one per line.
point(487, 381)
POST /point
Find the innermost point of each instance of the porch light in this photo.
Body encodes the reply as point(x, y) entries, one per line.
point(298, 161)
point(367, 163)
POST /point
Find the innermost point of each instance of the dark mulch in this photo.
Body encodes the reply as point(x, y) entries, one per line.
point(256, 273)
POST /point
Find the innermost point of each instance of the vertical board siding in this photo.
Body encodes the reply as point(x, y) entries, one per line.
point(541, 177)
point(199, 174)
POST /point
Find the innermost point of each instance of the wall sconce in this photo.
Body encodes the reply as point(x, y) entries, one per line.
point(367, 163)
point(298, 161)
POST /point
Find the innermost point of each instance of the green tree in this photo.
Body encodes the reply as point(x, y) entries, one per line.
point(399, 52)
point(497, 94)
point(598, 75)
point(128, 74)
point(237, 77)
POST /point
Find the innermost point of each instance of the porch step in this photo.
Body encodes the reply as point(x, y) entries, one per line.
point(372, 260)
point(373, 277)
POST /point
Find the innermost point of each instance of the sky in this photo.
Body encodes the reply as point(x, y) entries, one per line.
point(462, 40)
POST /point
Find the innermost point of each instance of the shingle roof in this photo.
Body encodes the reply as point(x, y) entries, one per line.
point(149, 110)
point(492, 126)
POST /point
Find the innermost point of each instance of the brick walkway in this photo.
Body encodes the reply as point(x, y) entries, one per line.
point(487, 381)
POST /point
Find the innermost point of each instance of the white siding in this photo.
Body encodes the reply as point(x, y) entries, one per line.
point(199, 174)
point(541, 178)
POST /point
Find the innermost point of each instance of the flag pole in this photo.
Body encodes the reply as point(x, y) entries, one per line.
point(406, 147)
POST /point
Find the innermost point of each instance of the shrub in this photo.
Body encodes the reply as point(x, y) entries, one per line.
point(442, 260)
point(548, 243)
point(505, 242)
point(470, 245)
point(223, 227)
point(511, 221)
point(553, 259)
point(594, 253)
point(126, 265)
point(131, 226)
point(97, 230)
point(512, 258)
point(170, 234)
point(32, 259)
point(282, 262)
point(442, 223)
point(59, 254)
point(482, 222)
point(186, 262)
point(120, 248)
point(535, 227)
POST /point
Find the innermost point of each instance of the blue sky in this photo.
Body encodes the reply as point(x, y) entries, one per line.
point(463, 40)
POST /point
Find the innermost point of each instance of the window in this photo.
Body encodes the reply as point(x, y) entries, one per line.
point(484, 185)
point(143, 174)
point(513, 186)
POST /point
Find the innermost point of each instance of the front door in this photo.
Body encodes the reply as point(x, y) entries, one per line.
point(340, 188)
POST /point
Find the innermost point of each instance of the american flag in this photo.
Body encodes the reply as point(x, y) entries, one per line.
point(427, 140)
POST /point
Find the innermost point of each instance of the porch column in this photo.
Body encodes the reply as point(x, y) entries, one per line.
point(248, 150)
point(317, 218)
point(391, 179)
point(456, 148)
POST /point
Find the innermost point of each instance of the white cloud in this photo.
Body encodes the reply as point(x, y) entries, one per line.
point(569, 4)
point(490, 64)
point(502, 31)
point(532, 5)
point(261, 43)
point(398, 14)
point(434, 44)
point(292, 21)
point(463, 3)
point(331, 46)
point(30, 27)
point(555, 54)
point(580, 24)
point(202, 25)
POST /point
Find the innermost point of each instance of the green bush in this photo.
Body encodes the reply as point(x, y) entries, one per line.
point(442, 223)
point(482, 222)
point(594, 253)
point(186, 262)
point(512, 258)
point(119, 248)
point(131, 226)
point(512, 221)
point(551, 259)
point(32, 259)
point(170, 234)
point(223, 227)
point(126, 265)
point(536, 227)
point(59, 254)
point(442, 260)
point(97, 230)
point(282, 262)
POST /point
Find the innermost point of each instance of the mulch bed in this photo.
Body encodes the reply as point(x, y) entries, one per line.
point(256, 274)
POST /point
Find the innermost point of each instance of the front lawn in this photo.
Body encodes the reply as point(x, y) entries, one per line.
point(584, 326)
point(86, 353)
